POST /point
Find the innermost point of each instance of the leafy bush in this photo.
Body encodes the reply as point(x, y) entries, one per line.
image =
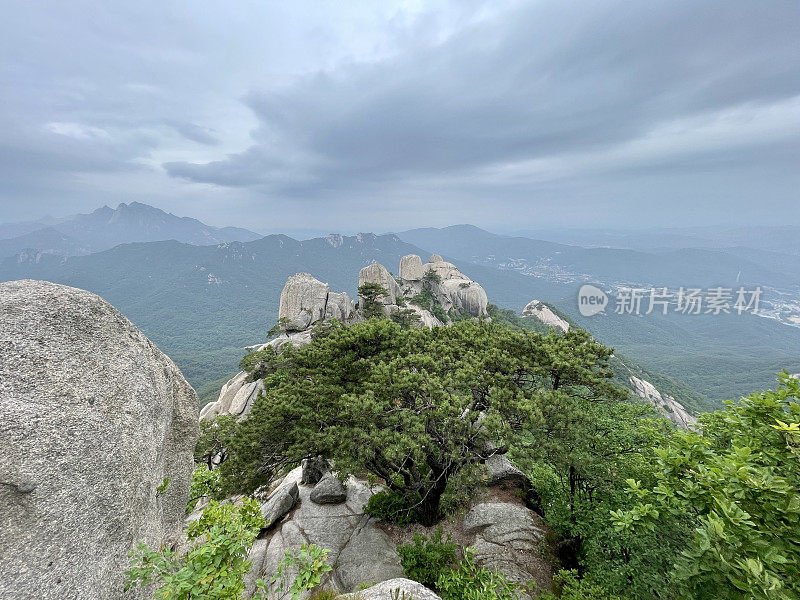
point(737, 481)
point(470, 582)
point(425, 560)
point(369, 294)
point(205, 484)
point(431, 277)
point(311, 563)
point(572, 588)
point(213, 567)
point(393, 507)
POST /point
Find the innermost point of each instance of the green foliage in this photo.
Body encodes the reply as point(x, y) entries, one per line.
point(431, 277)
point(214, 438)
point(425, 560)
point(406, 318)
point(256, 363)
point(470, 582)
point(311, 564)
point(205, 484)
point(213, 567)
point(393, 507)
point(325, 595)
point(736, 483)
point(462, 488)
point(162, 489)
point(369, 294)
point(411, 407)
point(570, 587)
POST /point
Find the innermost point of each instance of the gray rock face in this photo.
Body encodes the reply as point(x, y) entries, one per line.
point(339, 306)
point(359, 551)
point(280, 502)
point(502, 470)
point(539, 310)
point(387, 590)
point(93, 419)
point(507, 538)
point(304, 301)
point(377, 273)
point(671, 408)
point(313, 469)
point(329, 490)
point(411, 268)
point(435, 258)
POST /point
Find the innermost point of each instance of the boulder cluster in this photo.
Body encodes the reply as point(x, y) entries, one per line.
point(306, 301)
point(311, 505)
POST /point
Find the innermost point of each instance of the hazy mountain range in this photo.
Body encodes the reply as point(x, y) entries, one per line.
point(202, 300)
point(108, 227)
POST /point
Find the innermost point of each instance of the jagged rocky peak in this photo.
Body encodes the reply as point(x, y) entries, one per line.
point(377, 273)
point(541, 311)
point(305, 301)
point(672, 409)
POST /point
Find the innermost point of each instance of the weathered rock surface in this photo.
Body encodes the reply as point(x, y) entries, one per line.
point(93, 418)
point(304, 300)
point(671, 408)
point(539, 310)
point(507, 538)
point(279, 502)
point(359, 551)
point(503, 471)
point(411, 267)
point(314, 469)
point(329, 490)
point(377, 273)
point(387, 590)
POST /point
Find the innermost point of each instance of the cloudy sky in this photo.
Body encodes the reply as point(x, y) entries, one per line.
point(365, 115)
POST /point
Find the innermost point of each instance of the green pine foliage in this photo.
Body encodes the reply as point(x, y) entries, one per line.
point(412, 407)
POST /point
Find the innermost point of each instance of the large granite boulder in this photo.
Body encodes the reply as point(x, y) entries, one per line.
point(393, 589)
point(411, 268)
point(329, 490)
point(339, 306)
point(507, 538)
point(303, 302)
point(94, 419)
point(377, 273)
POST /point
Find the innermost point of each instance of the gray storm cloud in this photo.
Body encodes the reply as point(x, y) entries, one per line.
point(587, 104)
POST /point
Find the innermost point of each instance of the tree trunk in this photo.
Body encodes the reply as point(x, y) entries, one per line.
point(429, 509)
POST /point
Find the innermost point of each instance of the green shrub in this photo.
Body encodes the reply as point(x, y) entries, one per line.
point(205, 484)
point(572, 588)
point(393, 507)
point(470, 582)
point(213, 567)
point(462, 488)
point(425, 560)
point(311, 563)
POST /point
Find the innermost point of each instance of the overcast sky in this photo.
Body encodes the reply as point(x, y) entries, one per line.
point(385, 115)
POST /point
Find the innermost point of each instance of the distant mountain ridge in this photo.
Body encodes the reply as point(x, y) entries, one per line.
point(107, 227)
